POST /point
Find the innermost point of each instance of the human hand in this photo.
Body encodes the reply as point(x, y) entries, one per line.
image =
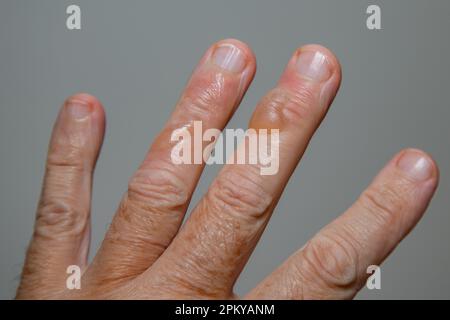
point(145, 254)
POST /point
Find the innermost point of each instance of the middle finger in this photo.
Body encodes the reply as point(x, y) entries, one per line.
point(159, 192)
point(210, 251)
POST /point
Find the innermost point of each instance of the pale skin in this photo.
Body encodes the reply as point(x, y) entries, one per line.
point(148, 254)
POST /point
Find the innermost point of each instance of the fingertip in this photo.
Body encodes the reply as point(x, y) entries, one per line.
point(243, 47)
point(234, 57)
point(313, 72)
point(417, 164)
point(86, 99)
point(80, 125)
point(331, 59)
point(82, 105)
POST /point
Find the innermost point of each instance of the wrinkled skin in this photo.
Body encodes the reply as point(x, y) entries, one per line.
point(145, 253)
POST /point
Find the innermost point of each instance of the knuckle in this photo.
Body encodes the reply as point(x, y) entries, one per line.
point(153, 195)
point(332, 259)
point(68, 149)
point(65, 159)
point(151, 210)
point(284, 106)
point(57, 218)
point(384, 201)
point(135, 226)
point(305, 97)
point(141, 231)
point(205, 96)
point(239, 194)
point(158, 188)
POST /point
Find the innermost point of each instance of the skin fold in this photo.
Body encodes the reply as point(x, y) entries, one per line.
point(147, 254)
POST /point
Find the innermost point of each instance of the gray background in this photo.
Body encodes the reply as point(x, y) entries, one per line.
point(136, 57)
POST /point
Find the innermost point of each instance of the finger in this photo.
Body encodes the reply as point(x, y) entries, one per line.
point(61, 236)
point(333, 265)
point(159, 192)
point(209, 253)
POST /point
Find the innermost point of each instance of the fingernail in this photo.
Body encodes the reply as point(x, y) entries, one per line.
point(78, 109)
point(416, 165)
point(229, 57)
point(313, 65)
